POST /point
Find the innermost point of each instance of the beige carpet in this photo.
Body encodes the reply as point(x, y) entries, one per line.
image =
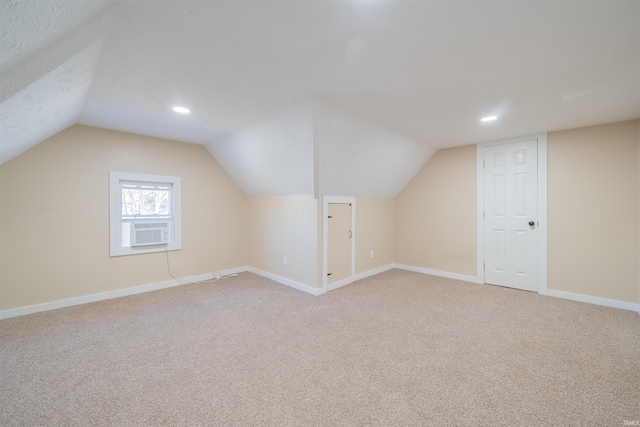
point(397, 349)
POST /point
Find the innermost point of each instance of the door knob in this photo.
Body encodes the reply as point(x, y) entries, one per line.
point(531, 223)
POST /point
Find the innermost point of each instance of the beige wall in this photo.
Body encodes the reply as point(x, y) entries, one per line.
point(374, 230)
point(54, 216)
point(435, 214)
point(282, 226)
point(594, 211)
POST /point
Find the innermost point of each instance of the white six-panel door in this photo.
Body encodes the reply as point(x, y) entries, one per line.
point(511, 194)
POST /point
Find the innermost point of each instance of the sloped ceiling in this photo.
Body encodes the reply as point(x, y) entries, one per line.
point(427, 70)
point(316, 148)
point(360, 158)
point(273, 156)
point(48, 55)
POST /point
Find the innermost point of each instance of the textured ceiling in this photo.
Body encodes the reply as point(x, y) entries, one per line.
point(47, 106)
point(428, 70)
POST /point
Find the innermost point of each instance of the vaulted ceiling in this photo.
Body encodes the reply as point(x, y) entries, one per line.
point(426, 70)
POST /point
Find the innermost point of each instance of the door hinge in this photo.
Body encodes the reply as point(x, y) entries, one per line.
point(484, 266)
point(483, 215)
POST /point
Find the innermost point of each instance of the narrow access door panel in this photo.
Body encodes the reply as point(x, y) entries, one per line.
point(339, 242)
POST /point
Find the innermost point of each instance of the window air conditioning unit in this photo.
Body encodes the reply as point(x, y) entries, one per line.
point(149, 233)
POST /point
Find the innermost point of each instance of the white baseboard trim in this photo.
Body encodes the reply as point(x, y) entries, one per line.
point(15, 312)
point(285, 281)
point(373, 272)
point(472, 279)
point(359, 276)
point(557, 294)
point(236, 270)
point(595, 300)
point(21, 311)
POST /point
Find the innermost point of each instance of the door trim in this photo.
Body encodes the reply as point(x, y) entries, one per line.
point(542, 207)
point(325, 234)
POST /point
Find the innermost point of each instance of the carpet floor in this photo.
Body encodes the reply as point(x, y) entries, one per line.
point(395, 349)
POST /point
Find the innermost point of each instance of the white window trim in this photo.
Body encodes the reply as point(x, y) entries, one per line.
point(115, 206)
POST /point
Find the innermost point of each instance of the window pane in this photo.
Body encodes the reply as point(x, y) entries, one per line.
point(146, 199)
point(139, 201)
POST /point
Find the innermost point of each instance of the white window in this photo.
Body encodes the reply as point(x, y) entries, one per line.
point(144, 213)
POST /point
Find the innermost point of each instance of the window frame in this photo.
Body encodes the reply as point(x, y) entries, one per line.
point(115, 213)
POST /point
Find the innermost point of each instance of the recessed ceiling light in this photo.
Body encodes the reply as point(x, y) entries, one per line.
point(489, 118)
point(181, 110)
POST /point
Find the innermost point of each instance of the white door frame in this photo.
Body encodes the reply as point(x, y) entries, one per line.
point(542, 207)
point(325, 238)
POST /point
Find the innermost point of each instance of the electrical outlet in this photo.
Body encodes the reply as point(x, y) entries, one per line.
point(372, 253)
point(284, 260)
